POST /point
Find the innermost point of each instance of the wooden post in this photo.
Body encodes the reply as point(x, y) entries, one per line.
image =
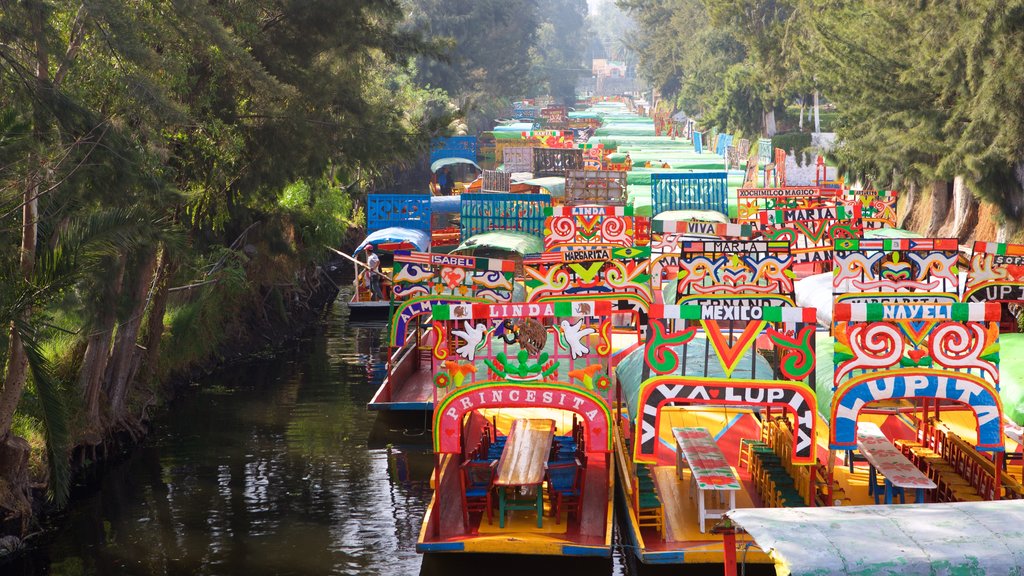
point(998, 488)
point(728, 532)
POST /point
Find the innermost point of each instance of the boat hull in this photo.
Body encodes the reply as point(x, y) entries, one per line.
point(369, 310)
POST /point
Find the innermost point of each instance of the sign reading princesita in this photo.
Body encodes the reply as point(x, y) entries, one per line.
point(449, 414)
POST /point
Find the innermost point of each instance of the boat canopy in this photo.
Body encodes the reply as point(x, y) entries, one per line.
point(891, 233)
point(694, 215)
point(553, 185)
point(904, 540)
point(445, 204)
point(516, 127)
point(393, 235)
point(441, 163)
point(509, 241)
point(629, 372)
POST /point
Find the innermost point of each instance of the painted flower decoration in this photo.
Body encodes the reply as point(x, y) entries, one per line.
point(459, 371)
point(586, 375)
point(441, 380)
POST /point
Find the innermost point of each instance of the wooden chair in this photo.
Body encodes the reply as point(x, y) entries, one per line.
point(649, 511)
point(565, 488)
point(477, 483)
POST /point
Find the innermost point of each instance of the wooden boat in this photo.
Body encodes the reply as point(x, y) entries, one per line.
point(710, 346)
point(421, 280)
point(722, 386)
point(522, 430)
point(393, 222)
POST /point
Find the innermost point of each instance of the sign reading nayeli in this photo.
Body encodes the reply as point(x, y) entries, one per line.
point(450, 413)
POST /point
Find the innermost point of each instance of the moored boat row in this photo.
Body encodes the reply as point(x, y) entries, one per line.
point(694, 339)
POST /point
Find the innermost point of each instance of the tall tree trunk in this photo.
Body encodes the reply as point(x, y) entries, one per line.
point(769, 123)
point(965, 210)
point(97, 355)
point(17, 361)
point(909, 205)
point(817, 118)
point(123, 357)
point(941, 191)
point(800, 117)
point(155, 319)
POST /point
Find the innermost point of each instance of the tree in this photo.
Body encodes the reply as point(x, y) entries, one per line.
point(488, 61)
point(560, 49)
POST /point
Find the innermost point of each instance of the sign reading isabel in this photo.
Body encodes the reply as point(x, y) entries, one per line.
point(448, 421)
point(452, 260)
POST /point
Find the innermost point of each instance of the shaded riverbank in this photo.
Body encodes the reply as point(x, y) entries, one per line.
point(273, 467)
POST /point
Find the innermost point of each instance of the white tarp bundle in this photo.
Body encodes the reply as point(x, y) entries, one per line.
point(965, 538)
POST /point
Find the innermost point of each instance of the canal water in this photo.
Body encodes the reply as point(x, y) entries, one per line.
point(275, 467)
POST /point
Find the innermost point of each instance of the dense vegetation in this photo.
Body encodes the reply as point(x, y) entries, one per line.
point(503, 50)
point(926, 93)
point(171, 171)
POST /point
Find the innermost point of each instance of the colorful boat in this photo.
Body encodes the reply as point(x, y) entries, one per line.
point(720, 415)
point(522, 430)
point(421, 280)
point(393, 222)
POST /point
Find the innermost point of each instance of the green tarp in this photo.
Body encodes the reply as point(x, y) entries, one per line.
point(951, 539)
point(554, 185)
point(518, 242)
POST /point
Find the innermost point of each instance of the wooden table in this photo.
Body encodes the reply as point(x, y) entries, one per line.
point(887, 459)
point(522, 465)
point(709, 471)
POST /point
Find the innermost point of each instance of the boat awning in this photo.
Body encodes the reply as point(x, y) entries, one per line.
point(420, 239)
point(442, 162)
point(554, 185)
point(445, 204)
point(903, 540)
point(891, 233)
point(509, 241)
point(516, 127)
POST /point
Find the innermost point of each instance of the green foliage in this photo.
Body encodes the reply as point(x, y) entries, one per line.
point(792, 141)
point(191, 129)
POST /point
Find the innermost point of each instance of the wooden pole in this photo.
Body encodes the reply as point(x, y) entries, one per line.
point(998, 488)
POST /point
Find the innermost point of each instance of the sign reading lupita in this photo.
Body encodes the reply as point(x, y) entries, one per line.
point(449, 415)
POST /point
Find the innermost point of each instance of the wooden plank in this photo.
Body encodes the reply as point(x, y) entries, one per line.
point(594, 517)
point(417, 387)
point(525, 453)
point(887, 459)
point(705, 459)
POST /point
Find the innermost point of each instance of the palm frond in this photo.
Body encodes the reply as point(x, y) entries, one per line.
point(54, 414)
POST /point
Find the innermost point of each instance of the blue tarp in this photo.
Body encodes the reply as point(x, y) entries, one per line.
point(418, 238)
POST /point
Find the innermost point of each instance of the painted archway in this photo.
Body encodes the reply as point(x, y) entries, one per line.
point(961, 387)
point(406, 311)
point(449, 413)
point(660, 390)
